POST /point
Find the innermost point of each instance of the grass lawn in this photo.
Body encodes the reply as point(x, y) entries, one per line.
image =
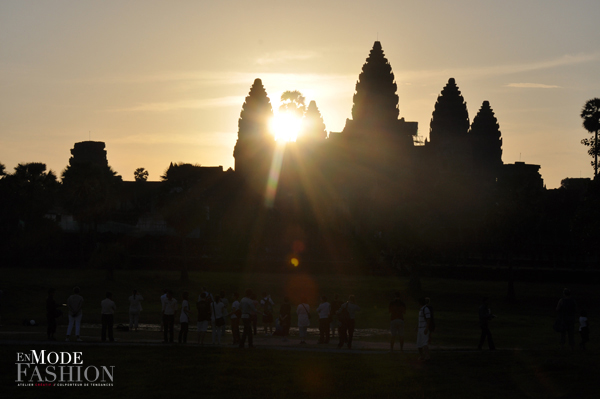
point(529, 363)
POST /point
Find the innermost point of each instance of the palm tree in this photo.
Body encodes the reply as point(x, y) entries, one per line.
point(591, 122)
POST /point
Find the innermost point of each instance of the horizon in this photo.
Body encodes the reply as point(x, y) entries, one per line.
point(74, 72)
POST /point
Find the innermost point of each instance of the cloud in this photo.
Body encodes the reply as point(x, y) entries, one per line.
point(183, 104)
point(532, 86)
point(285, 56)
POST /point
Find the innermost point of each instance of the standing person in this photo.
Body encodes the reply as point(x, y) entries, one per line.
point(184, 319)
point(135, 307)
point(324, 311)
point(203, 307)
point(267, 315)
point(584, 329)
point(397, 310)
point(424, 329)
point(335, 306)
point(247, 307)
point(485, 315)
point(285, 317)
point(254, 313)
point(217, 320)
point(163, 298)
point(75, 308)
point(51, 314)
point(236, 314)
point(108, 317)
point(567, 313)
point(347, 322)
point(303, 311)
point(168, 312)
point(225, 302)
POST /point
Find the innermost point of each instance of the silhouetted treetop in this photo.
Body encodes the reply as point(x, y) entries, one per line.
point(140, 175)
point(591, 122)
point(293, 101)
point(450, 117)
point(256, 113)
point(313, 127)
point(375, 100)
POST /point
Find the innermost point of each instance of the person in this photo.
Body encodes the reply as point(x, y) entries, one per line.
point(303, 312)
point(236, 314)
point(225, 301)
point(584, 329)
point(135, 307)
point(75, 309)
point(51, 314)
point(346, 330)
point(335, 306)
point(485, 315)
point(203, 307)
point(567, 312)
point(254, 314)
point(285, 317)
point(423, 329)
point(184, 319)
point(108, 317)
point(217, 317)
point(324, 311)
point(163, 298)
point(248, 307)
point(168, 312)
point(397, 309)
point(267, 315)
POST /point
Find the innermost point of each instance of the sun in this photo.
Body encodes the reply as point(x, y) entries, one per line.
point(286, 126)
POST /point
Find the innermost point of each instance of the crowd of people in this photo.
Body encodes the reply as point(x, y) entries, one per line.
point(243, 314)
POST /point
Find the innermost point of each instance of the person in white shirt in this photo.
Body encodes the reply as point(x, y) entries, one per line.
point(424, 329)
point(168, 311)
point(75, 307)
point(108, 317)
point(324, 311)
point(135, 307)
point(247, 306)
point(217, 317)
point(236, 314)
point(184, 319)
point(303, 312)
point(267, 315)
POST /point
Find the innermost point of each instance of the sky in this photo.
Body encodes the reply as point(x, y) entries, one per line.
point(164, 81)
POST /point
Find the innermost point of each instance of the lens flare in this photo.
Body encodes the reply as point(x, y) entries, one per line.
point(286, 126)
point(295, 262)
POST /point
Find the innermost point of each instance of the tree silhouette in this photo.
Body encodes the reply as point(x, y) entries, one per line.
point(313, 127)
point(375, 100)
point(293, 102)
point(485, 131)
point(450, 118)
point(2, 169)
point(140, 175)
point(591, 122)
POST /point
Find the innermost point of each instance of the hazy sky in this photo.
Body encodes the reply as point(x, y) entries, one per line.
point(164, 81)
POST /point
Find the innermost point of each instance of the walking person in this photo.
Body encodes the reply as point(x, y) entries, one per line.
point(347, 318)
point(254, 314)
point(203, 307)
point(584, 329)
point(236, 314)
point(303, 312)
point(267, 315)
point(485, 315)
point(424, 329)
point(335, 306)
point(108, 317)
point(135, 307)
point(217, 320)
point(285, 317)
point(184, 319)
point(567, 313)
point(168, 312)
point(51, 314)
point(324, 311)
point(397, 309)
point(247, 305)
point(75, 309)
